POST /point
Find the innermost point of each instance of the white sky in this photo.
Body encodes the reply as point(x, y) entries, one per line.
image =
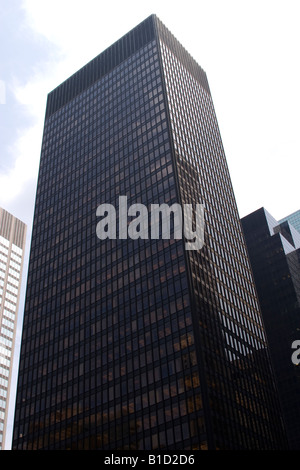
point(249, 50)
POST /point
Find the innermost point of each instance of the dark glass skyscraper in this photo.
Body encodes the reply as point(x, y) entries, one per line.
point(139, 343)
point(274, 251)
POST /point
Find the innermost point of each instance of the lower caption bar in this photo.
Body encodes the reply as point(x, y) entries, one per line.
point(144, 458)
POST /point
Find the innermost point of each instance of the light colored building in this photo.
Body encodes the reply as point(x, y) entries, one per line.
point(293, 219)
point(12, 244)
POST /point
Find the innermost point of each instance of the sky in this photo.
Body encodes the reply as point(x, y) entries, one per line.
point(249, 50)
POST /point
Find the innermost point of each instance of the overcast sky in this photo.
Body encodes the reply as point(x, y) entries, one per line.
point(249, 50)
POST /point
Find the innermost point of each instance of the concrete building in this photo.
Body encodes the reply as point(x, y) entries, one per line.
point(12, 245)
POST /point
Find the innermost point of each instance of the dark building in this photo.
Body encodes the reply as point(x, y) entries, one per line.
point(139, 343)
point(274, 251)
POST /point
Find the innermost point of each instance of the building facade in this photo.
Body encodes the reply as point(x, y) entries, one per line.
point(293, 219)
point(136, 343)
point(12, 246)
point(274, 250)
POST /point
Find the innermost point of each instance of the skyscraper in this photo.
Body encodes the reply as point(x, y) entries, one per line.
point(12, 245)
point(139, 343)
point(274, 250)
point(294, 220)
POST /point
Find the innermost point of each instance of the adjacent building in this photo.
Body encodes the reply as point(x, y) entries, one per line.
point(139, 342)
point(293, 219)
point(274, 250)
point(12, 245)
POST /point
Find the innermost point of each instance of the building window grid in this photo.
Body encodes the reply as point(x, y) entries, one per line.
point(188, 103)
point(74, 170)
point(69, 115)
